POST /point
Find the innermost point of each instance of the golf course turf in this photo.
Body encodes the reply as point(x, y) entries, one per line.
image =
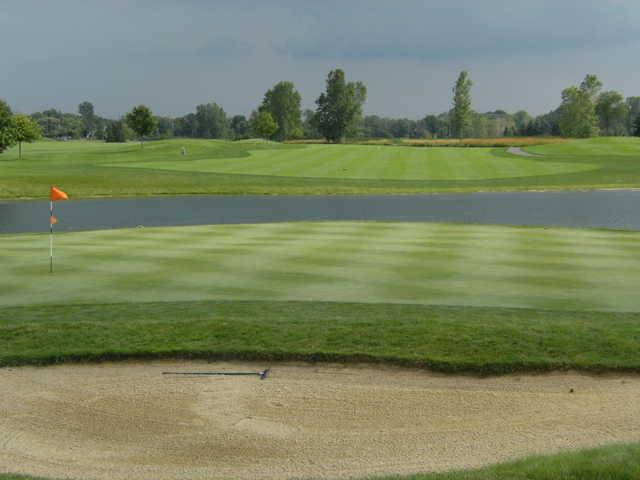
point(452, 298)
point(95, 169)
point(449, 297)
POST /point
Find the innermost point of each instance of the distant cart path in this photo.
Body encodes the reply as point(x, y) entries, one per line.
point(522, 153)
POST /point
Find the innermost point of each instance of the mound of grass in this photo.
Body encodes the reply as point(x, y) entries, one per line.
point(447, 339)
point(92, 169)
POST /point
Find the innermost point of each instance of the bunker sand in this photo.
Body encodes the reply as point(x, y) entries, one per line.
point(128, 421)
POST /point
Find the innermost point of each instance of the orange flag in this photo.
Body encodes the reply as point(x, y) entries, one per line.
point(57, 194)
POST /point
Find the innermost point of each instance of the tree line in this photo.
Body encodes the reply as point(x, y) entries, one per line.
point(585, 111)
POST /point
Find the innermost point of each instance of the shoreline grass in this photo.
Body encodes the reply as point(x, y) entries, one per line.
point(475, 340)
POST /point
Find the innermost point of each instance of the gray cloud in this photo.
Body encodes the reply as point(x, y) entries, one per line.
point(174, 54)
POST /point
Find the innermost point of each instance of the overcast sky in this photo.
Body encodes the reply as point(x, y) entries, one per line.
point(175, 54)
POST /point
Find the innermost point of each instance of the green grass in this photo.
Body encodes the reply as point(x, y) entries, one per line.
point(449, 297)
point(448, 339)
point(92, 169)
point(616, 462)
point(362, 262)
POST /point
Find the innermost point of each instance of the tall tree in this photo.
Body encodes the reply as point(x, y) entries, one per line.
point(239, 127)
point(211, 121)
point(141, 121)
point(6, 124)
point(612, 113)
point(461, 113)
point(25, 129)
point(633, 105)
point(115, 132)
point(265, 126)
point(89, 119)
point(578, 111)
point(283, 103)
point(340, 106)
point(522, 119)
point(636, 126)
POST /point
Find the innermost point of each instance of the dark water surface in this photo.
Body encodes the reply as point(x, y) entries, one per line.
point(606, 209)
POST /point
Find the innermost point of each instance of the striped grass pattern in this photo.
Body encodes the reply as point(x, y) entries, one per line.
point(414, 263)
point(376, 163)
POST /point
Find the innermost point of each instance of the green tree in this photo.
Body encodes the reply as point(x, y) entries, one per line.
point(578, 110)
point(461, 113)
point(211, 121)
point(633, 105)
point(239, 127)
point(115, 132)
point(265, 125)
point(522, 119)
point(283, 103)
point(6, 123)
point(612, 113)
point(89, 119)
point(636, 126)
point(141, 121)
point(340, 107)
point(25, 129)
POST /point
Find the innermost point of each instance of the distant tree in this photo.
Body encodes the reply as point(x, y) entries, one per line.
point(265, 125)
point(164, 126)
point(6, 123)
point(578, 111)
point(25, 129)
point(612, 113)
point(85, 109)
point(310, 125)
point(115, 132)
point(633, 105)
point(239, 127)
point(340, 106)
point(283, 103)
point(141, 121)
point(522, 119)
point(461, 114)
point(186, 126)
point(211, 121)
point(435, 126)
point(636, 126)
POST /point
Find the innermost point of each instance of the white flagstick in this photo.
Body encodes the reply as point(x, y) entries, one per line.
point(51, 237)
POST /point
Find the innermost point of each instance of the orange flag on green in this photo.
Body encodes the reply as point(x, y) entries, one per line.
point(57, 194)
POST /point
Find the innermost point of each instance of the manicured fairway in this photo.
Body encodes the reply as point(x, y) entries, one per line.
point(347, 262)
point(377, 163)
point(90, 169)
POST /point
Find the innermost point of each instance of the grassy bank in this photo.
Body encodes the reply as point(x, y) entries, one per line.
point(447, 339)
point(616, 462)
point(92, 169)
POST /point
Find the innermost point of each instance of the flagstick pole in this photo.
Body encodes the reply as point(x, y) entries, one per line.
point(51, 236)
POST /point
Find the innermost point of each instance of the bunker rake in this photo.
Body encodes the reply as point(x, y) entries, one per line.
point(262, 373)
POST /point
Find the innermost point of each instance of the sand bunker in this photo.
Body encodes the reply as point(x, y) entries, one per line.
point(127, 421)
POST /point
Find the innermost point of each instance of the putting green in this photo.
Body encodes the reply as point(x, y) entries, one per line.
point(375, 162)
point(350, 262)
